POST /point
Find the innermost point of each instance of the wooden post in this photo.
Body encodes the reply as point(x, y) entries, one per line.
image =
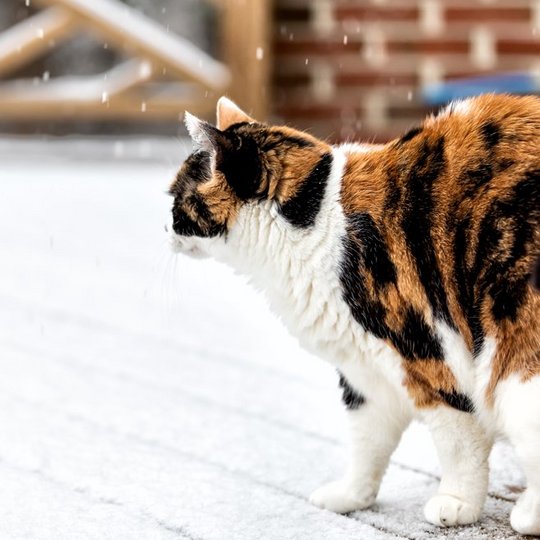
point(246, 43)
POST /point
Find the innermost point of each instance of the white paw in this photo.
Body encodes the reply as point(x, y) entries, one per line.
point(447, 511)
point(341, 497)
point(525, 517)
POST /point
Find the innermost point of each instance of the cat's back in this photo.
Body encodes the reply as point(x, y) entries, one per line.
point(447, 216)
point(491, 139)
point(470, 149)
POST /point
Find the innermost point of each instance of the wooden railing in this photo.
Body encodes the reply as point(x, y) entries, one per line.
point(137, 89)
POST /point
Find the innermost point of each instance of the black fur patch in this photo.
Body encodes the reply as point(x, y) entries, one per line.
point(376, 256)
point(465, 286)
point(302, 209)
point(416, 340)
point(185, 226)
point(393, 195)
point(474, 179)
point(496, 269)
point(535, 275)
point(368, 313)
point(417, 223)
point(458, 401)
point(411, 134)
point(196, 169)
point(238, 159)
point(197, 166)
point(350, 397)
point(491, 134)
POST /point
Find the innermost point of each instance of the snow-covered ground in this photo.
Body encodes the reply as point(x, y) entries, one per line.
point(144, 396)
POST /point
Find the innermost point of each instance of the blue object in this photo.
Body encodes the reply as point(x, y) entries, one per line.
point(510, 83)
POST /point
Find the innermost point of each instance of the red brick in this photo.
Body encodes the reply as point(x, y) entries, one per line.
point(399, 21)
point(487, 14)
point(375, 13)
point(313, 47)
point(428, 46)
point(518, 47)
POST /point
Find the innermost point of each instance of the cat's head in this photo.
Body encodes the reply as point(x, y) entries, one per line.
point(238, 163)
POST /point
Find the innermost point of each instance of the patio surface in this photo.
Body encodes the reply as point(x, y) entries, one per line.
point(145, 396)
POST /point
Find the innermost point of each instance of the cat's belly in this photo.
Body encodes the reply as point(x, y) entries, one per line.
point(329, 331)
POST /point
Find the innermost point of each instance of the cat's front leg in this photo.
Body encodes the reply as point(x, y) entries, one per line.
point(463, 448)
point(376, 425)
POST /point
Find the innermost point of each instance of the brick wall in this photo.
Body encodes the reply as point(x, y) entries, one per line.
point(354, 68)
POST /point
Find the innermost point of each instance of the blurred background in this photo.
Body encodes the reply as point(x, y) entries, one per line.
point(340, 68)
point(151, 396)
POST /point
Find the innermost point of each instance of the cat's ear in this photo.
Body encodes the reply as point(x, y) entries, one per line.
point(204, 135)
point(228, 113)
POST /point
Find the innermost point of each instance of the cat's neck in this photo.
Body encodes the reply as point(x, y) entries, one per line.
point(299, 269)
point(272, 251)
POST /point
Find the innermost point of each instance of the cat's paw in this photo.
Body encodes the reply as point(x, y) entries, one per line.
point(447, 511)
point(525, 517)
point(341, 497)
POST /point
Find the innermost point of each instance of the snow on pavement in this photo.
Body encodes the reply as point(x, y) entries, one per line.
point(150, 396)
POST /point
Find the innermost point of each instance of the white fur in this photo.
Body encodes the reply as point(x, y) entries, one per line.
point(517, 404)
point(458, 357)
point(483, 363)
point(461, 106)
point(198, 131)
point(359, 148)
point(463, 448)
point(375, 432)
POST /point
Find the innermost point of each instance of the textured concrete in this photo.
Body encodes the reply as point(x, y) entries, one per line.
point(148, 397)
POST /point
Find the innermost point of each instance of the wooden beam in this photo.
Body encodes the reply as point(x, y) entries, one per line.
point(246, 41)
point(82, 98)
point(121, 78)
point(127, 28)
point(32, 37)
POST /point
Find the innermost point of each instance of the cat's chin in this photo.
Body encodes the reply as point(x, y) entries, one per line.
point(192, 251)
point(178, 245)
point(195, 253)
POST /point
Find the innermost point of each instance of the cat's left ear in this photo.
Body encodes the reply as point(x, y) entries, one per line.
point(228, 113)
point(205, 135)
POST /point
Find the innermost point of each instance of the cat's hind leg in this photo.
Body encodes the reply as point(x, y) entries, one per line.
point(376, 421)
point(518, 403)
point(463, 449)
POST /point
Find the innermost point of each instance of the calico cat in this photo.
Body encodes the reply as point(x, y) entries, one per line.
point(406, 265)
